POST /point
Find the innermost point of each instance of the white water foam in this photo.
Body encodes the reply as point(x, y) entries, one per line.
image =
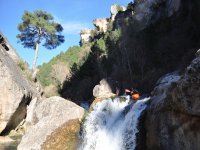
point(112, 125)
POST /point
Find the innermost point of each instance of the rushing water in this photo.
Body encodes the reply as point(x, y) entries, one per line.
point(112, 125)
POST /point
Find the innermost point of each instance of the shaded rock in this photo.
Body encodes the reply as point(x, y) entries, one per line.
point(105, 88)
point(16, 93)
point(197, 53)
point(174, 113)
point(29, 121)
point(161, 91)
point(49, 117)
point(146, 10)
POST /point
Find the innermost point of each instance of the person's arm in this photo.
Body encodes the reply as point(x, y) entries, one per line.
point(127, 91)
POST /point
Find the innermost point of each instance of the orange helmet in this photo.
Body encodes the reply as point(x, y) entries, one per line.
point(135, 96)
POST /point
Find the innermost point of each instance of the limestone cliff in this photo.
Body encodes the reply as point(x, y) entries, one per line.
point(16, 93)
point(101, 24)
point(85, 35)
point(147, 40)
point(8, 47)
point(115, 9)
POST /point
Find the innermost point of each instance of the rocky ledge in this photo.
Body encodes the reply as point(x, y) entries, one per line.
point(173, 117)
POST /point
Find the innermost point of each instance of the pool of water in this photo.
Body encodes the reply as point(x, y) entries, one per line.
point(9, 146)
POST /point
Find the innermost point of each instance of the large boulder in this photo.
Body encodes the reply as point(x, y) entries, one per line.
point(53, 120)
point(16, 93)
point(106, 88)
point(173, 116)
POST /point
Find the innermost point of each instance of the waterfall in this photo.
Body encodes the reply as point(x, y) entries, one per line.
point(112, 124)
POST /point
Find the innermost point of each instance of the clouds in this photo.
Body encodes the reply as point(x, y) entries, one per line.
point(73, 27)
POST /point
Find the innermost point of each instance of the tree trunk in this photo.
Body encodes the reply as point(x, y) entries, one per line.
point(35, 57)
point(34, 63)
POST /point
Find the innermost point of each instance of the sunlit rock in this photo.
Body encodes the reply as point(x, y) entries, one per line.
point(85, 35)
point(16, 93)
point(8, 48)
point(101, 24)
point(53, 119)
point(115, 8)
point(106, 88)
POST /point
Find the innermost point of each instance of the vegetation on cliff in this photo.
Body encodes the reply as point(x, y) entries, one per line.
point(136, 53)
point(52, 74)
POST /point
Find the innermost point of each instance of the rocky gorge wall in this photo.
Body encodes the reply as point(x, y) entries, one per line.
point(159, 37)
point(16, 93)
point(143, 42)
point(173, 115)
point(8, 48)
point(51, 123)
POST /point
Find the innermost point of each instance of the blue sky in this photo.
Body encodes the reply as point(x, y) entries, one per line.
point(73, 15)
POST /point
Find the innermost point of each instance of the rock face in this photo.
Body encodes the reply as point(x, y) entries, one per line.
point(85, 35)
point(173, 116)
point(145, 10)
point(15, 95)
point(198, 53)
point(8, 47)
point(115, 8)
point(51, 117)
point(101, 24)
point(106, 88)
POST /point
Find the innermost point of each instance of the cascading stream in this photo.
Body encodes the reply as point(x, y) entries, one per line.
point(112, 124)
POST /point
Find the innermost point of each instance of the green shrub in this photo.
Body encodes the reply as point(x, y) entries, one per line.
point(114, 35)
point(100, 46)
point(22, 65)
point(74, 55)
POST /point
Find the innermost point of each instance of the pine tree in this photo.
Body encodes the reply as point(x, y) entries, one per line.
point(36, 28)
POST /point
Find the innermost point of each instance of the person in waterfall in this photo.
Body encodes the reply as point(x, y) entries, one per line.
point(134, 94)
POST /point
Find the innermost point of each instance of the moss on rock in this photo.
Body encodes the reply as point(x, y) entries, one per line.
point(63, 138)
